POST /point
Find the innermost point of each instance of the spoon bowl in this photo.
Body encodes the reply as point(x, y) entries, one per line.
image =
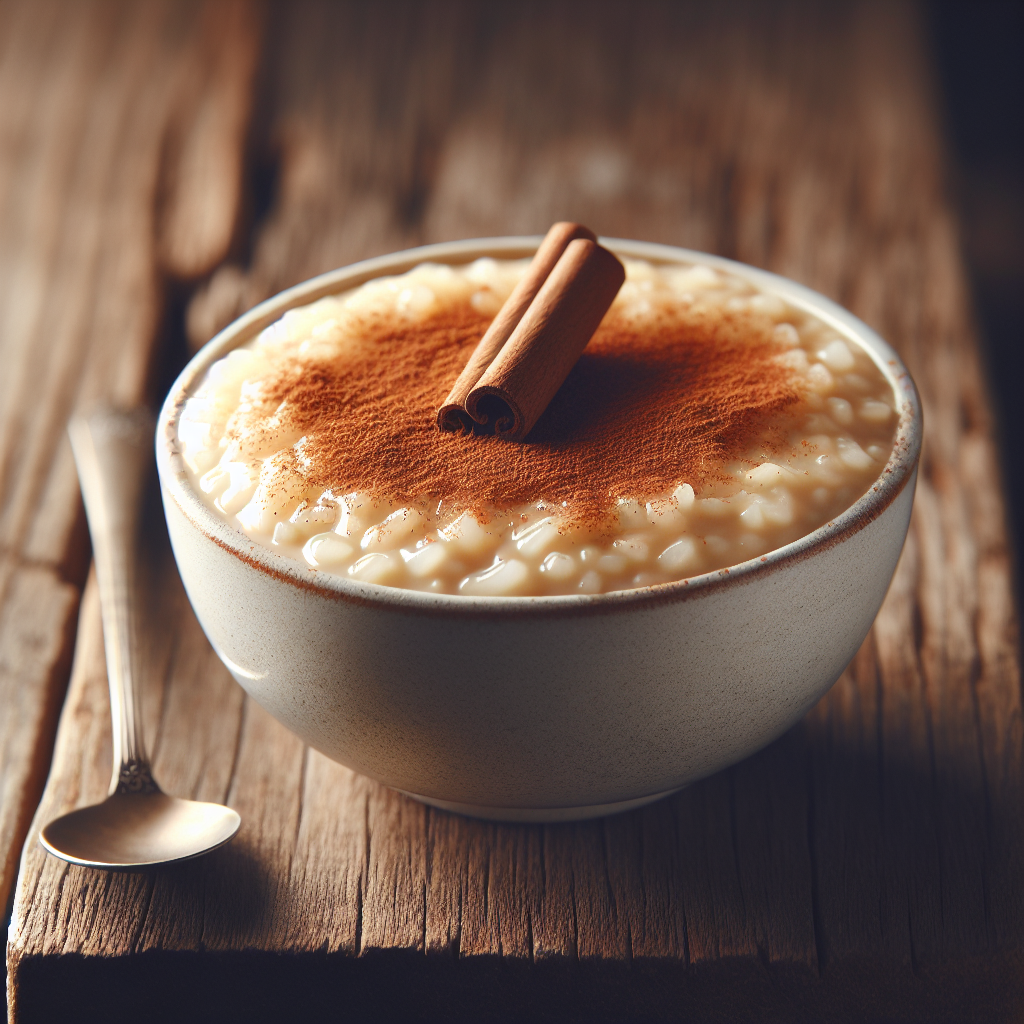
point(138, 830)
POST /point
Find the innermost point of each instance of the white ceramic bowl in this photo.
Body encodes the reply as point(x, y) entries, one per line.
point(542, 708)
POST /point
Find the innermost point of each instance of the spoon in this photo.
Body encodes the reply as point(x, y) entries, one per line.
point(138, 825)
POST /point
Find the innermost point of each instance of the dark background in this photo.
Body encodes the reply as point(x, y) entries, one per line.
point(979, 57)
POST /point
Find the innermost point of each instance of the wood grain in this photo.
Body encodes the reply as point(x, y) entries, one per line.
point(89, 95)
point(866, 866)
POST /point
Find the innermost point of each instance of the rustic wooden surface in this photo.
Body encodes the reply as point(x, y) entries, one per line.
point(867, 866)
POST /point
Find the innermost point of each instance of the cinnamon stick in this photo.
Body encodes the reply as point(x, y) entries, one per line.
point(537, 336)
point(453, 415)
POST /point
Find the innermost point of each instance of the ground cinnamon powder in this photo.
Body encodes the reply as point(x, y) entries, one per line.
point(645, 408)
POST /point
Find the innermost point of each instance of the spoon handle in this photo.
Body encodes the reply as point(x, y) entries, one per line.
point(113, 450)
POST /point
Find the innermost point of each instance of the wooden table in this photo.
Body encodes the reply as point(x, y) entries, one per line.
point(163, 166)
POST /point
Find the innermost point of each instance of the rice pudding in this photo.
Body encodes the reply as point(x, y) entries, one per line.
point(706, 424)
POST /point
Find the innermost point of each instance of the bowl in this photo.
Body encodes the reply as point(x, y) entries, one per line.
point(542, 708)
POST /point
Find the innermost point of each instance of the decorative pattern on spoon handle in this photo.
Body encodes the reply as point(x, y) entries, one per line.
point(113, 449)
point(136, 777)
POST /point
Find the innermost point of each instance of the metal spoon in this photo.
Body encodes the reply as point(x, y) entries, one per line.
point(138, 825)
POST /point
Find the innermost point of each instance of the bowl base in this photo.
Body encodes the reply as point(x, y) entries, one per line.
point(541, 814)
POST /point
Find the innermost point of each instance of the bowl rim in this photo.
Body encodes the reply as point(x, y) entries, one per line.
point(897, 473)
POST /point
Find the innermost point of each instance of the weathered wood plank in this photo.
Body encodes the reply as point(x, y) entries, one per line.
point(203, 170)
point(36, 641)
point(868, 864)
point(88, 95)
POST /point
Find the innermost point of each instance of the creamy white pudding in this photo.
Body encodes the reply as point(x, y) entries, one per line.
point(706, 424)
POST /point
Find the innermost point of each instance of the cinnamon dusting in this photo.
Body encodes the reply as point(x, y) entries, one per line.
point(644, 409)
